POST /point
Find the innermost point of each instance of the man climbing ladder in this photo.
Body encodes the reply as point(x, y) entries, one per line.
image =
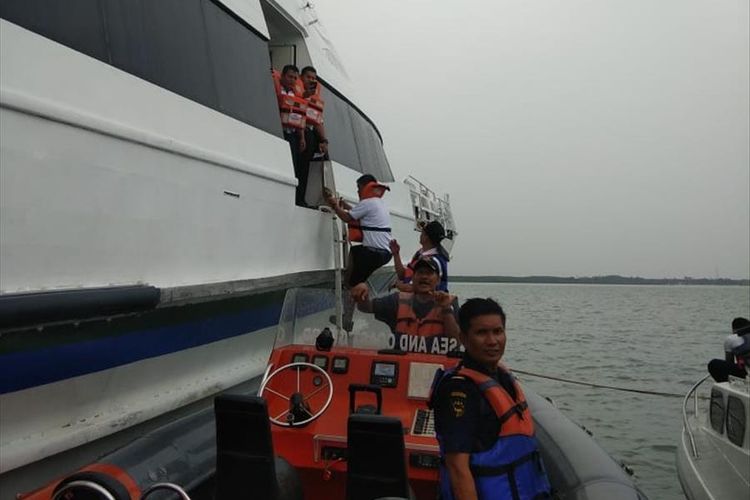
point(369, 223)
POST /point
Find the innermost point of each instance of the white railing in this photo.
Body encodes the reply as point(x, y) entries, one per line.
point(428, 206)
point(691, 393)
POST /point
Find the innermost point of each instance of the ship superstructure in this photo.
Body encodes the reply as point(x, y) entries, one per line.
point(148, 229)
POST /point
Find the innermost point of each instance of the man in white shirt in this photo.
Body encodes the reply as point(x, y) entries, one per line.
point(374, 221)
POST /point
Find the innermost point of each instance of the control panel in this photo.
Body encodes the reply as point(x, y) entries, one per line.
point(384, 373)
point(340, 365)
point(424, 423)
point(320, 361)
point(300, 357)
point(424, 460)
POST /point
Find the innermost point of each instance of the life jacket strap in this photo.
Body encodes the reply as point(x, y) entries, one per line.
point(405, 319)
point(484, 470)
point(487, 384)
point(376, 229)
point(432, 322)
point(516, 409)
point(408, 319)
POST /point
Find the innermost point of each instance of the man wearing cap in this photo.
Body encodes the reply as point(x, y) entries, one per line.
point(373, 220)
point(429, 239)
point(423, 320)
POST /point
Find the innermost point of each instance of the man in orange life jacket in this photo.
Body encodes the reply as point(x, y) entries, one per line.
point(375, 223)
point(483, 424)
point(315, 134)
point(316, 143)
point(295, 137)
point(422, 321)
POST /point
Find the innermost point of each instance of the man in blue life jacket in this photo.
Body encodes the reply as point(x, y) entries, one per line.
point(430, 239)
point(483, 424)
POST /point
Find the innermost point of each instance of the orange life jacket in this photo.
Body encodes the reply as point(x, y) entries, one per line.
point(407, 322)
point(514, 416)
point(370, 190)
point(299, 87)
point(276, 76)
point(315, 105)
point(293, 109)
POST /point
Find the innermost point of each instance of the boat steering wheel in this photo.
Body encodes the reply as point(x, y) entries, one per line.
point(328, 383)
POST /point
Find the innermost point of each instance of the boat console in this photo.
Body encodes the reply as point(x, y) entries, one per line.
point(316, 396)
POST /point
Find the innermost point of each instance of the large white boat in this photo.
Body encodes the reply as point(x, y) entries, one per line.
point(148, 229)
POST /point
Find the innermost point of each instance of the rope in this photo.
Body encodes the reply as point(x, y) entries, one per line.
point(600, 386)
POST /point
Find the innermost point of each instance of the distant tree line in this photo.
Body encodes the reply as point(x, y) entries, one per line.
point(611, 279)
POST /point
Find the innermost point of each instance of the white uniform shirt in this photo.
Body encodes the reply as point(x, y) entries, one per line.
point(372, 212)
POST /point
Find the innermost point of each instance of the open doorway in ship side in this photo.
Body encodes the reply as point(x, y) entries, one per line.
point(287, 39)
point(303, 132)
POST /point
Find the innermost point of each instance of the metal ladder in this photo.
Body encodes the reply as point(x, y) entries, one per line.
point(340, 251)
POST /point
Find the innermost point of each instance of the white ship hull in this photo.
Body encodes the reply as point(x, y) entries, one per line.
point(108, 180)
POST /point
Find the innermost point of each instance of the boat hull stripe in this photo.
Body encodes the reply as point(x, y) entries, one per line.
point(29, 368)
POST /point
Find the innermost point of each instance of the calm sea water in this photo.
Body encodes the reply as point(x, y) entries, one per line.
point(658, 338)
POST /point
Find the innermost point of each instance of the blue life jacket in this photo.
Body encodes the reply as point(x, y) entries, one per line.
point(512, 468)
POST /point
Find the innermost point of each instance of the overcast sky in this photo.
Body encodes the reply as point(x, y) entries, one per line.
point(576, 137)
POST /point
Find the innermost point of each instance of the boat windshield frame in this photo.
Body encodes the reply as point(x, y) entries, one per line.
point(308, 311)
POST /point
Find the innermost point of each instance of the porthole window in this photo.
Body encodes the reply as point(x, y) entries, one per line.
point(736, 420)
point(716, 411)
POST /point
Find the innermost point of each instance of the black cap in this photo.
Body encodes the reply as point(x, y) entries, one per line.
point(366, 179)
point(427, 262)
point(434, 230)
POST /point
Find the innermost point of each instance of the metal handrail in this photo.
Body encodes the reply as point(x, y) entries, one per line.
point(426, 201)
point(165, 486)
point(691, 392)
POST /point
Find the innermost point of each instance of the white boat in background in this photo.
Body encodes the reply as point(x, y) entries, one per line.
point(148, 229)
point(713, 456)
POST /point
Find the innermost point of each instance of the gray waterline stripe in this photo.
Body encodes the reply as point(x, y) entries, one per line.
point(600, 386)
